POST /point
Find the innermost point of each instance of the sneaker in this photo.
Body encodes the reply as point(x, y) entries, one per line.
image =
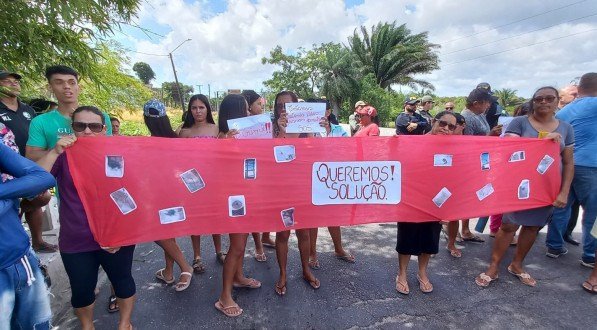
point(554, 253)
point(588, 262)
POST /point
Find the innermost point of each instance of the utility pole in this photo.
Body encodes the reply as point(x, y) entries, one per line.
point(199, 87)
point(208, 91)
point(178, 87)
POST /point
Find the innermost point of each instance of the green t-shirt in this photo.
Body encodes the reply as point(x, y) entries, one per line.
point(47, 128)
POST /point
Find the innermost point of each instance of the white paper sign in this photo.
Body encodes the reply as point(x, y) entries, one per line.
point(252, 127)
point(504, 121)
point(370, 182)
point(304, 117)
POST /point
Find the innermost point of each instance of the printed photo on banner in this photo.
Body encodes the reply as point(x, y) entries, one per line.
point(544, 164)
point(524, 189)
point(441, 197)
point(517, 156)
point(236, 206)
point(485, 191)
point(123, 201)
point(250, 168)
point(284, 154)
point(252, 127)
point(171, 215)
point(369, 182)
point(192, 180)
point(485, 161)
point(114, 166)
point(304, 117)
point(442, 160)
point(288, 217)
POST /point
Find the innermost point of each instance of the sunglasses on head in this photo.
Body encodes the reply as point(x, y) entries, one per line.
point(443, 123)
point(81, 127)
point(548, 99)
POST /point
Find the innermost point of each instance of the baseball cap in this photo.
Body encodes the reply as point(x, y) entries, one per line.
point(485, 86)
point(5, 74)
point(360, 103)
point(367, 110)
point(478, 95)
point(159, 110)
point(412, 100)
point(426, 98)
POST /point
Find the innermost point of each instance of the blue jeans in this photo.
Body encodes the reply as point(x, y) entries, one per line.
point(24, 302)
point(583, 190)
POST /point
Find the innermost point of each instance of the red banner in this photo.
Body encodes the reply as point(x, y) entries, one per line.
point(144, 189)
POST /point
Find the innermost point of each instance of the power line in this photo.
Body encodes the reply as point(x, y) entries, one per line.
point(518, 35)
point(516, 48)
point(134, 51)
point(514, 22)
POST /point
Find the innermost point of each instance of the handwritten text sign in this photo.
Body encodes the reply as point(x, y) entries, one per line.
point(304, 117)
point(375, 182)
point(253, 127)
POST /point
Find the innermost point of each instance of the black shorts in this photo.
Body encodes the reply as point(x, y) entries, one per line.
point(82, 269)
point(418, 238)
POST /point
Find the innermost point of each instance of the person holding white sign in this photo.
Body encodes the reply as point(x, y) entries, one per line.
point(366, 116)
point(302, 235)
point(421, 239)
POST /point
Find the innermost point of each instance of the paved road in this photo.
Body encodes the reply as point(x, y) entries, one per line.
point(362, 295)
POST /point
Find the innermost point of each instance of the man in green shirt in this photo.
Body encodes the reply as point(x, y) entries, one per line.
point(46, 129)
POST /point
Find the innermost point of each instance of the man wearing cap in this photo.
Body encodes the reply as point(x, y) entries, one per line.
point(16, 117)
point(495, 109)
point(47, 128)
point(409, 122)
point(427, 104)
point(352, 120)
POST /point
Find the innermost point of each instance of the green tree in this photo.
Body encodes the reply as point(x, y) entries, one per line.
point(506, 96)
point(338, 77)
point(394, 55)
point(38, 33)
point(297, 72)
point(171, 95)
point(144, 72)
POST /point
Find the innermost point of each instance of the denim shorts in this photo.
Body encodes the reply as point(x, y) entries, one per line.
point(24, 302)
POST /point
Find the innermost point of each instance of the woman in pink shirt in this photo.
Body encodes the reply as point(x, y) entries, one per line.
point(365, 116)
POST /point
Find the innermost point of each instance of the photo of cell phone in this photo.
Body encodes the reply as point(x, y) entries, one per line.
point(250, 168)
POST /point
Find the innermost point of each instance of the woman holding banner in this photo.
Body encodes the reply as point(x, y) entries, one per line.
point(199, 123)
point(158, 123)
point(233, 106)
point(421, 239)
point(304, 245)
point(540, 123)
point(80, 253)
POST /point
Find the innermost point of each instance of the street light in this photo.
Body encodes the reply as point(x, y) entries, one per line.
point(175, 76)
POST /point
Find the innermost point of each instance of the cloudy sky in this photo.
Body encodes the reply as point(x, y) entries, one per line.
point(509, 43)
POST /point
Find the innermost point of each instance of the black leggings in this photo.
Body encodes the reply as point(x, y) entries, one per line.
point(82, 269)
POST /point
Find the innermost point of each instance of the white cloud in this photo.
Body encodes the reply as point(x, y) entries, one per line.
point(227, 47)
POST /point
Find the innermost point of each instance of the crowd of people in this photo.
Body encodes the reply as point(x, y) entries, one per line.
point(32, 160)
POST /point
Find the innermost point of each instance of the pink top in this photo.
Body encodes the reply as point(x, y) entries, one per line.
point(369, 130)
point(203, 137)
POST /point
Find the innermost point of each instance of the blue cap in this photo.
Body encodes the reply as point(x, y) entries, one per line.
point(159, 110)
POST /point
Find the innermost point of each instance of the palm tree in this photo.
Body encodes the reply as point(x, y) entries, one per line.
point(394, 55)
point(506, 96)
point(338, 75)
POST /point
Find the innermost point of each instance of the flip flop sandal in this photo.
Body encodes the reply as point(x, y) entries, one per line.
point(483, 280)
point(252, 284)
point(260, 257)
point(315, 284)
point(160, 276)
point(314, 264)
point(113, 305)
point(183, 285)
point(524, 277)
point(589, 287)
point(346, 257)
point(473, 239)
point(280, 290)
point(221, 257)
point(198, 266)
point(455, 253)
point(426, 287)
point(402, 287)
point(226, 310)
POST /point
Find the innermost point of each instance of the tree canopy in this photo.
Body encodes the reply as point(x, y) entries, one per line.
point(144, 72)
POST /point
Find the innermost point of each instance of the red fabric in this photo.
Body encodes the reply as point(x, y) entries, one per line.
point(152, 166)
point(371, 130)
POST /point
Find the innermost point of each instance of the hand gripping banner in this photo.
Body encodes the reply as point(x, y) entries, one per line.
point(139, 189)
